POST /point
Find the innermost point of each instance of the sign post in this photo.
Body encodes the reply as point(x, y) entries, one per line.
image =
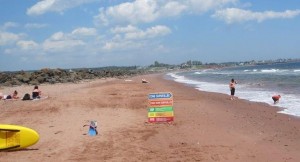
point(160, 107)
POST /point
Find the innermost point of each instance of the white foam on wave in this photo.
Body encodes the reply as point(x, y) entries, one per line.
point(203, 86)
point(182, 79)
point(290, 103)
point(269, 70)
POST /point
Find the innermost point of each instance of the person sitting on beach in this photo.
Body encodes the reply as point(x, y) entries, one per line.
point(276, 98)
point(15, 95)
point(232, 88)
point(36, 93)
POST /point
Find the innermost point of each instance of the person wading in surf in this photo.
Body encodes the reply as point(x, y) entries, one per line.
point(276, 98)
point(232, 88)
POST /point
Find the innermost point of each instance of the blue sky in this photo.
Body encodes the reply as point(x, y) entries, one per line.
point(96, 33)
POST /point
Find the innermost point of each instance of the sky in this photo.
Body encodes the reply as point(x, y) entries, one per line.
point(36, 34)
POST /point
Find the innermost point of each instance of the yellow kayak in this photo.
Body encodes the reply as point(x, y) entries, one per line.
point(16, 137)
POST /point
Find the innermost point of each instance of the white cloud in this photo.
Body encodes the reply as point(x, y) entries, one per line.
point(233, 15)
point(57, 36)
point(146, 11)
point(84, 31)
point(27, 45)
point(172, 8)
point(152, 32)
point(200, 6)
point(133, 12)
point(121, 45)
point(7, 38)
point(41, 7)
point(35, 26)
point(60, 42)
point(9, 25)
point(59, 6)
point(126, 29)
point(131, 37)
point(131, 32)
point(62, 45)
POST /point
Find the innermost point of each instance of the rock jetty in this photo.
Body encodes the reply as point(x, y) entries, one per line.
point(52, 76)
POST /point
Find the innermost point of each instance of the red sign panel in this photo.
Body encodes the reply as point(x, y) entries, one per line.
point(161, 119)
point(161, 103)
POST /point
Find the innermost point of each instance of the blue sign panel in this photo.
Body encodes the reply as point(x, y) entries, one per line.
point(160, 95)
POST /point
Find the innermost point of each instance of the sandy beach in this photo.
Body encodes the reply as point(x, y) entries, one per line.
point(207, 126)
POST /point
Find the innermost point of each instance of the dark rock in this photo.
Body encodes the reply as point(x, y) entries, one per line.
point(53, 76)
point(34, 82)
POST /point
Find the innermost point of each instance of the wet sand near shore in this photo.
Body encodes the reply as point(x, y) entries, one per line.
point(207, 126)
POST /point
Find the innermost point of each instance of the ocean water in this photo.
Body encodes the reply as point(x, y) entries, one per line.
point(254, 83)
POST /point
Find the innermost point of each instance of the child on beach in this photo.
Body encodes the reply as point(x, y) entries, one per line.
point(232, 88)
point(276, 98)
point(15, 95)
point(93, 128)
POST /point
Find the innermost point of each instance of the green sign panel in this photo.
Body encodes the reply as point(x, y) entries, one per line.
point(160, 109)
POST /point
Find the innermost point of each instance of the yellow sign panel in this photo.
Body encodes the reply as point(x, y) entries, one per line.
point(161, 114)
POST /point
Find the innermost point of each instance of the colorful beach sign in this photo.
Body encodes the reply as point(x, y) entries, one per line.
point(160, 107)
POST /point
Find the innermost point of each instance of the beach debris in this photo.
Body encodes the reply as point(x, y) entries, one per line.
point(58, 132)
point(144, 81)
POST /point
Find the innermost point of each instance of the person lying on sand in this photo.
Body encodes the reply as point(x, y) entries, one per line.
point(276, 98)
point(11, 96)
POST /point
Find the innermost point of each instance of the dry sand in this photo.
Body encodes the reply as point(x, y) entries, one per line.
point(207, 126)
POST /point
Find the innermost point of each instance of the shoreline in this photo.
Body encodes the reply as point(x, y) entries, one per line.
point(207, 125)
point(288, 104)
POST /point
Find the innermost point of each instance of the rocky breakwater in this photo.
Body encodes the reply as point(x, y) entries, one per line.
point(52, 76)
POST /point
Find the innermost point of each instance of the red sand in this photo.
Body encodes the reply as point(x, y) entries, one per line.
point(207, 126)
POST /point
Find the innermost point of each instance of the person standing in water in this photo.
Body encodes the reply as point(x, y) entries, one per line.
point(232, 88)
